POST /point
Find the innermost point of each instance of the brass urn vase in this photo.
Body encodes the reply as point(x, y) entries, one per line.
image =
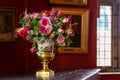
point(45, 57)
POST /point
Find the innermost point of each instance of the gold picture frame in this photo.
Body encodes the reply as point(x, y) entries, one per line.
point(7, 24)
point(69, 2)
point(80, 41)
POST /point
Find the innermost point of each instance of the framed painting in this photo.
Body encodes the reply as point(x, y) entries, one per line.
point(7, 24)
point(80, 40)
point(69, 2)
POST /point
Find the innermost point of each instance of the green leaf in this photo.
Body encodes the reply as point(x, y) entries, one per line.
point(23, 21)
point(35, 23)
point(68, 41)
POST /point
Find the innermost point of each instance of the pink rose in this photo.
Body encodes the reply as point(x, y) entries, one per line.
point(42, 30)
point(60, 39)
point(45, 30)
point(35, 15)
point(33, 50)
point(45, 21)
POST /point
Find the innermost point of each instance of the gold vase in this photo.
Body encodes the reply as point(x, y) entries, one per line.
point(45, 58)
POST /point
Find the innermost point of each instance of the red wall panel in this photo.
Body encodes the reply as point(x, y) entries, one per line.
point(110, 77)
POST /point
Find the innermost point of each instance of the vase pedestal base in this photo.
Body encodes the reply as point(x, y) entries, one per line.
point(44, 74)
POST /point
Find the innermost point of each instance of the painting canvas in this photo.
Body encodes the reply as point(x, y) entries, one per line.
point(7, 24)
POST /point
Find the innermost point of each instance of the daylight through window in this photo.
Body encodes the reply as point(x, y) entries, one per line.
point(104, 36)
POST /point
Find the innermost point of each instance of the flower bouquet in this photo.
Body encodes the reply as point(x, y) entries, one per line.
point(48, 25)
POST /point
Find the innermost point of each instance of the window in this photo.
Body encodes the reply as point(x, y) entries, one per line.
point(104, 36)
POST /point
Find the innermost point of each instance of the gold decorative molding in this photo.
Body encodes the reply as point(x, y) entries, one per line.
point(69, 2)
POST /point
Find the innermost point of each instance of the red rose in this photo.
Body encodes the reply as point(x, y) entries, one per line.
point(27, 28)
point(23, 33)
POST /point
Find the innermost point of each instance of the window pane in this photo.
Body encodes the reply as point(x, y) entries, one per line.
point(102, 33)
point(107, 55)
point(108, 41)
point(102, 55)
point(107, 62)
point(107, 47)
point(102, 39)
point(104, 36)
point(102, 48)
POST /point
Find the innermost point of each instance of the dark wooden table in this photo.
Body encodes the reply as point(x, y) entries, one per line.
point(81, 74)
